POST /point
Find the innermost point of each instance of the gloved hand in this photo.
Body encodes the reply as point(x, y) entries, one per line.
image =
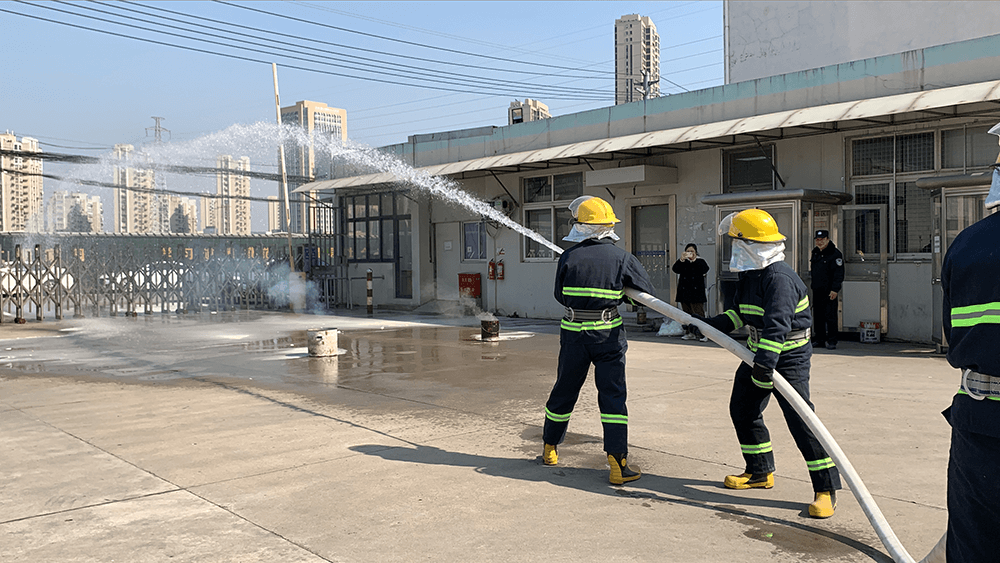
point(719, 322)
point(762, 377)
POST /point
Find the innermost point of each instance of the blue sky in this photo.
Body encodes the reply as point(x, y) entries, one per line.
point(79, 91)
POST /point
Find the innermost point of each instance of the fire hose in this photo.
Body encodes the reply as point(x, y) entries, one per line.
point(871, 510)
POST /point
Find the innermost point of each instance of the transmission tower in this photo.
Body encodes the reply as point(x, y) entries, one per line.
point(157, 130)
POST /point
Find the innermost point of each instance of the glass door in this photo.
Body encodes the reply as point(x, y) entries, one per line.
point(866, 256)
point(651, 245)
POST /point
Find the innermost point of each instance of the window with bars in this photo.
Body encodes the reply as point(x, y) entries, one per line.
point(372, 224)
point(968, 147)
point(893, 154)
point(546, 211)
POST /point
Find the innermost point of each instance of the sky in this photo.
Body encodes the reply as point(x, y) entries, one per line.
point(398, 68)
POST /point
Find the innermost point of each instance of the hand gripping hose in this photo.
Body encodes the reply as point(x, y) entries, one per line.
point(875, 516)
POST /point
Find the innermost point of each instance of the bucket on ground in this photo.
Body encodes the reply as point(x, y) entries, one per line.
point(871, 331)
point(490, 331)
point(322, 341)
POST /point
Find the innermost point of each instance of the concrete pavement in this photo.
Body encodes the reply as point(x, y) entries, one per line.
point(216, 438)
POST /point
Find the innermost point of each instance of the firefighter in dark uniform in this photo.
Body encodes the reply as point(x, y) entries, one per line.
point(827, 271)
point(969, 279)
point(772, 302)
point(590, 282)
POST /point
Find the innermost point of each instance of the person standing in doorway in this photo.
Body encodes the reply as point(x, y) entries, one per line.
point(691, 270)
point(827, 270)
point(591, 278)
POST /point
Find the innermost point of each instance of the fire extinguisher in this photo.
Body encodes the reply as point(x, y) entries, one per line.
point(491, 271)
point(500, 270)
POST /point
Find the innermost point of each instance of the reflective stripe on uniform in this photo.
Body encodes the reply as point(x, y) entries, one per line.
point(964, 392)
point(820, 464)
point(972, 315)
point(786, 346)
point(593, 292)
point(756, 448)
point(803, 305)
point(751, 310)
point(590, 325)
point(557, 417)
point(614, 418)
point(762, 384)
point(737, 322)
point(770, 345)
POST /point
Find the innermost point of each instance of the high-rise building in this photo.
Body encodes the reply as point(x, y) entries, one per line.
point(274, 214)
point(637, 59)
point(137, 209)
point(229, 214)
point(530, 110)
point(74, 212)
point(183, 213)
point(20, 185)
point(311, 157)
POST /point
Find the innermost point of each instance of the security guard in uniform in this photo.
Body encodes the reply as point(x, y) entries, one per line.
point(969, 277)
point(590, 282)
point(827, 272)
point(772, 302)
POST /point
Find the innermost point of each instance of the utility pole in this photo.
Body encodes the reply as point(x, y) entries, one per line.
point(645, 89)
point(157, 130)
point(284, 174)
point(159, 202)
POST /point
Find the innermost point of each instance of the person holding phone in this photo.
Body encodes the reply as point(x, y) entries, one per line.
point(691, 270)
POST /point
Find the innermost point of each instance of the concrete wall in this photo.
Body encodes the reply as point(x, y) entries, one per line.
point(771, 38)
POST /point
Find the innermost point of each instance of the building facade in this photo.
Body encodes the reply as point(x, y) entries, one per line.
point(890, 154)
point(529, 110)
point(137, 208)
point(74, 212)
point(637, 59)
point(229, 213)
point(20, 186)
point(183, 213)
point(274, 214)
point(310, 155)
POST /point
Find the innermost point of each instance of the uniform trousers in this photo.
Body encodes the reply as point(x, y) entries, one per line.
point(746, 409)
point(973, 493)
point(824, 319)
point(575, 358)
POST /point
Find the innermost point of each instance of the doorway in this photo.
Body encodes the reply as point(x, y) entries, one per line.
point(651, 243)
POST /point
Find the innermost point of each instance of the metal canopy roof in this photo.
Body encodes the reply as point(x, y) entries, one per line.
point(927, 105)
point(763, 196)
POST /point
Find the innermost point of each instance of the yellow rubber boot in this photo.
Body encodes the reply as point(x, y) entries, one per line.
point(550, 456)
point(621, 473)
point(824, 505)
point(749, 481)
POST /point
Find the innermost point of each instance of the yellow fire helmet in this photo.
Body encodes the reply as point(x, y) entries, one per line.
point(596, 211)
point(755, 225)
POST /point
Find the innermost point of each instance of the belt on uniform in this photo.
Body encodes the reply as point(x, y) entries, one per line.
point(605, 315)
point(979, 385)
point(755, 333)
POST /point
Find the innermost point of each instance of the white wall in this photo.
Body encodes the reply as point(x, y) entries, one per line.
point(771, 38)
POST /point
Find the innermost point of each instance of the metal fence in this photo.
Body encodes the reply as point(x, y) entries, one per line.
point(95, 274)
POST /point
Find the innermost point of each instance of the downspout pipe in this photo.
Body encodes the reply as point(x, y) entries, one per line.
point(871, 510)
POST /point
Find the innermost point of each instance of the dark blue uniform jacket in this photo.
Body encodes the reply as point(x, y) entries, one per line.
point(827, 269)
point(970, 279)
point(593, 275)
point(775, 301)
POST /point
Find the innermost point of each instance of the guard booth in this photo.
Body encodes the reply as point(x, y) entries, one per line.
point(798, 212)
point(957, 202)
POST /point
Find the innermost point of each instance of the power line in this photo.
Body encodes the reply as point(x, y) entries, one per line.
point(384, 38)
point(472, 80)
point(253, 60)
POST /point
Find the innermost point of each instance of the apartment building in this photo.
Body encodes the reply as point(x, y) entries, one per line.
point(74, 212)
point(228, 214)
point(637, 59)
point(137, 209)
point(310, 156)
point(530, 110)
point(20, 185)
point(274, 214)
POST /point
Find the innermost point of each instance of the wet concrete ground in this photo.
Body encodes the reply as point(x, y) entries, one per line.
point(217, 438)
